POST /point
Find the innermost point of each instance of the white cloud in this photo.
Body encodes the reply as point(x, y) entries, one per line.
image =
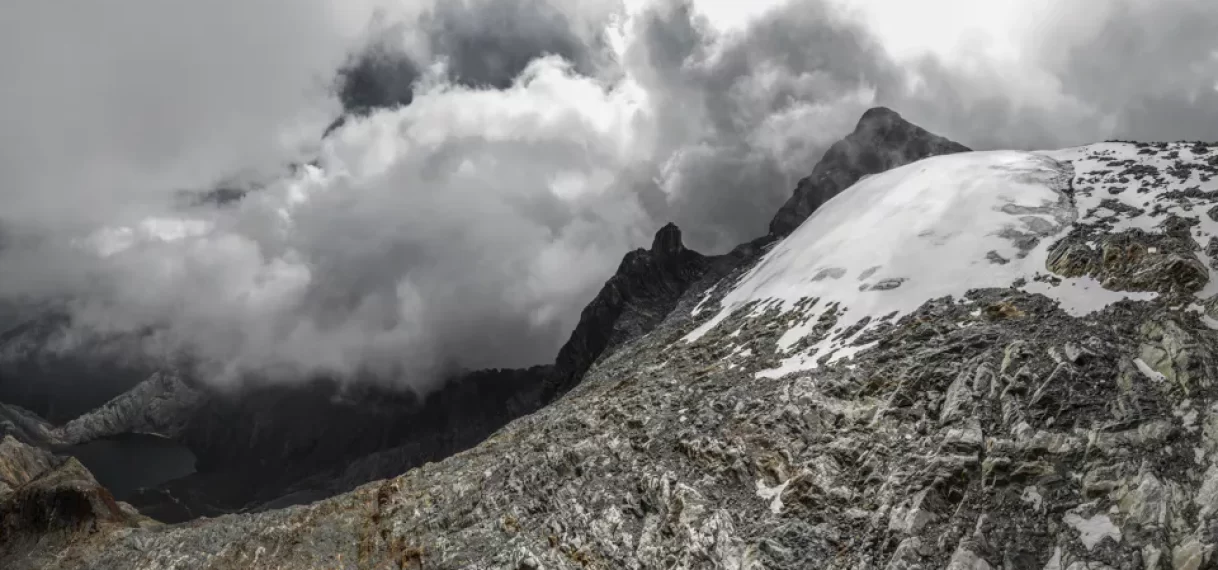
point(467, 228)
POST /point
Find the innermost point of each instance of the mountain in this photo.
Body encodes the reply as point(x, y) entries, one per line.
point(882, 140)
point(973, 361)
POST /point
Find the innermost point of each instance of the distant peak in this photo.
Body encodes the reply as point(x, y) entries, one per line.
point(882, 140)
point(878, 116)
point(668, 240)
point(876, 112)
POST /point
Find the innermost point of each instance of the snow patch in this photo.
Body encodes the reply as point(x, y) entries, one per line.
point(944, 225)
point(1148, 372)
point(772, 494)
point(1084, 295)
point(1093, 530)
point(922, 231)
point(705, 297)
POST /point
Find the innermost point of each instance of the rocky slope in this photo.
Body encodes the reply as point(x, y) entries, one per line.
point(21, 463)
point(972, 362)
point(53, 501)
point(25, 426)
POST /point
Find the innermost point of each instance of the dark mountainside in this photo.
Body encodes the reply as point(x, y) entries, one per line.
point(275, 446)
point(881, 141)
point(644, 288)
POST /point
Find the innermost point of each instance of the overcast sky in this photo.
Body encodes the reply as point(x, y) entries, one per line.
point(505, 153)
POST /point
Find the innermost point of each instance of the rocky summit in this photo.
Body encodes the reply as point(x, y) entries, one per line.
point(882, 140)
point(967, 361)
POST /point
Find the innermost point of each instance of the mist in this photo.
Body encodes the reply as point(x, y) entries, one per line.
point(495, 158)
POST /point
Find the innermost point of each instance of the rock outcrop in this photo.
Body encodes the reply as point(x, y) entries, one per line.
point(882, 140)
point(645, 287)
point(162, 405)
point(60, 503)
point(25, 426)
point(21, 463)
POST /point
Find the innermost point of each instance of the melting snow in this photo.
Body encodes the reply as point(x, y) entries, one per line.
point(1084, 295)
point(1142, 180)
point(1093, 530)
point(948, 224)
point(897, 239)
point(1148, 372)
point(928, 228)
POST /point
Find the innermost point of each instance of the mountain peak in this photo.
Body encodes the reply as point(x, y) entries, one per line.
point(876, 115)
point(882, 140)
point(667, 240)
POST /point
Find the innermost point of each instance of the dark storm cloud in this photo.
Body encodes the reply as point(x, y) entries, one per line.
point(379, 77)
point(483, 43)
point(1096, 70)
point(489, 42)
point(1155, 68)
point(748, 115)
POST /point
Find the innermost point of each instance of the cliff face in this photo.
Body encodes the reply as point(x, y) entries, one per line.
point(21, 463)
point(782, 416)
point(640, 294)
point(53, 500)
point(882, 140)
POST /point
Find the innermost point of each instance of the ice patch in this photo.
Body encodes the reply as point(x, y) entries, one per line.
point(705, 297)
point(928, 227)
point(1209, 321)
point(1084, 295)
point(772, 494)
point(1148, 372)
point(1093, 530)
point(1032, 496)
point(944, 225)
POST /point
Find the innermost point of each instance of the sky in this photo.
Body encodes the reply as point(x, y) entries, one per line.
point(497, 157)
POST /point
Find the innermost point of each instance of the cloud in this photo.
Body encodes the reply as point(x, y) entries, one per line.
point(1083, 71)
point(465, 230)
point(507, 154)
point(743, 116)
point(106, 106)
point(481, 43)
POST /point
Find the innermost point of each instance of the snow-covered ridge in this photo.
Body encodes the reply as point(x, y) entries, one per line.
point(1121, 186)
point(947, 224)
